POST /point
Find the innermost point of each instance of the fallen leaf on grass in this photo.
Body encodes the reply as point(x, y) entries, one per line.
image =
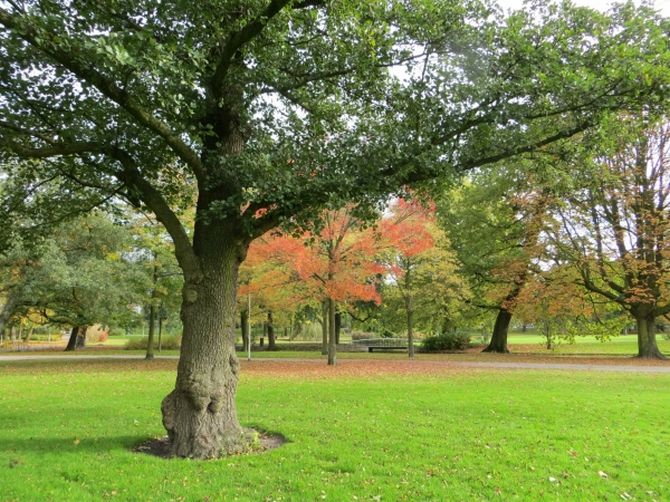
point(603, 474)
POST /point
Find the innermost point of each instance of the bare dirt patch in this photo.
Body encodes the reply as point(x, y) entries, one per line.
point(264, 441)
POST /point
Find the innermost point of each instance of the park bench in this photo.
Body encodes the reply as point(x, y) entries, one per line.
point(382, 343)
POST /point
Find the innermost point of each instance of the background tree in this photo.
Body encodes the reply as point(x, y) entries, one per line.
point(268, 274)
point(276, 109)
point(494, 220)
point(153, 252)
point(81, 277)
point(335, 264)
point(615, 226)
point(418, 264)
point(555, 303)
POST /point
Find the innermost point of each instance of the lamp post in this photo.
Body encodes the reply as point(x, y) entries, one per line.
point(249, 327)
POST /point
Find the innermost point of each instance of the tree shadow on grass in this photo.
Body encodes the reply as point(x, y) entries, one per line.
point(73, 444)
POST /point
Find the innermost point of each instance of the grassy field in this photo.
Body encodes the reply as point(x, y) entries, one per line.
point(67, 429)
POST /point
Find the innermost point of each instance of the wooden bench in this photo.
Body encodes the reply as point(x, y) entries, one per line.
point(382, 343)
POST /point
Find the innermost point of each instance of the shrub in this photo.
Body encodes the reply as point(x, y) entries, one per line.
point(456, 340)
point(167, 343)
point(97, 336)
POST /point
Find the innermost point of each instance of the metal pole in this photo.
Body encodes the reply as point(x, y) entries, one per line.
point(249, 327)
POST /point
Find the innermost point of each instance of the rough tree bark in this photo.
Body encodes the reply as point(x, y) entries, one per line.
point(199, 414)
point(498, 341)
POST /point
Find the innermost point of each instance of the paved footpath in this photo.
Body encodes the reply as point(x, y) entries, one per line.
point(628, 368)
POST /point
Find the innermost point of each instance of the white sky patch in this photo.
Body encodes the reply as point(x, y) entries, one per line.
point(603, 5)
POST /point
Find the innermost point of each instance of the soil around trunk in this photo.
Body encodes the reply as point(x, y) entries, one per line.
point(259, 442)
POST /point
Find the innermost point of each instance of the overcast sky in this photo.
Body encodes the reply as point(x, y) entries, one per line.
point(662, 5)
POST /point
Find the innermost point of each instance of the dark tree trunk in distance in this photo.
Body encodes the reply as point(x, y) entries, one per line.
point(81, 337)
point(332, 347)
point(646, 338)
point(498, 341)
point(324, 327)
point(160, 328)
point(272, 345)
point(338, 326)
point(150, 338)
point(72, 341)
point(152, 314)
point(409, 310)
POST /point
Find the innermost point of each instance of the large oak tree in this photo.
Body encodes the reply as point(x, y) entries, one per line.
point(274, 108)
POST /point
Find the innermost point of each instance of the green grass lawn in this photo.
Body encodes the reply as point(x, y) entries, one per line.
point(66, 434)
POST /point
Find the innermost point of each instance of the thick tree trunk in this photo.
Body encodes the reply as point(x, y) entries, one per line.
point(152, 329)
point(332, 347)
point(324, 327)
point(81, 337)
point(200, 414)
point(646, 338)
point(72, 341)
point(244, 325)
point(272, 345)
point(498, 341)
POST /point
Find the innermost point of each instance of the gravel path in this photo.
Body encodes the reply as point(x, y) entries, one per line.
point(566, 366)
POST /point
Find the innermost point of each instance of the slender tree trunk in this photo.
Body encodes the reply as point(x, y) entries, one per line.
point(160, 330)
point(244, 325)
point(646, 338)
point(338, 326)
point(72, 341)
point(152, 327)
point(152, 313)
point(324, 327)
point(332, 347)
point(548, 335)
point(409, 310)
point(200, 414)
point(498, 341)
point(272, 345)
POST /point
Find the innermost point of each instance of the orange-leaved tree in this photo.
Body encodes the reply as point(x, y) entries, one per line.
point(416, 258)
point(335, 264)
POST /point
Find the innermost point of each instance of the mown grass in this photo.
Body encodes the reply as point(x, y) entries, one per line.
point(66, 433)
